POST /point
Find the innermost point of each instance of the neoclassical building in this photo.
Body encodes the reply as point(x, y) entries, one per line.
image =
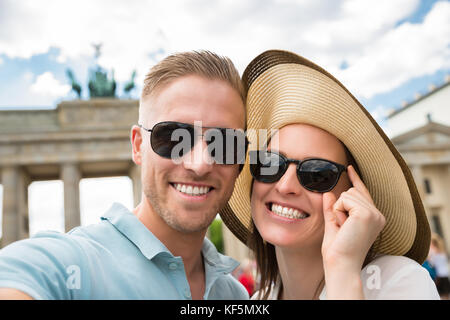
point(421, 132)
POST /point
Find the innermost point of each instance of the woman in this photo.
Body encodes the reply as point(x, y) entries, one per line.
point(325, 201)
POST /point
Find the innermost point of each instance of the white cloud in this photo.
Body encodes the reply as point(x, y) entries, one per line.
point(403, 53)
point(137, 33)
point(128, 31)
point(28, 76)
point(47, 85)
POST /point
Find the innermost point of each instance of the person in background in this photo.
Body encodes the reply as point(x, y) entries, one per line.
point(439, 260)
point(246, 277)
point(431, 269)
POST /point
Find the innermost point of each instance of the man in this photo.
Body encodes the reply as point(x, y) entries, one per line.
point(159, 250)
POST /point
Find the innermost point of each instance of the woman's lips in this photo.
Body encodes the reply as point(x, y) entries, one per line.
point(286, 211)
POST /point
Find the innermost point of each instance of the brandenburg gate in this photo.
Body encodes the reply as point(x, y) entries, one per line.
point(79, 139)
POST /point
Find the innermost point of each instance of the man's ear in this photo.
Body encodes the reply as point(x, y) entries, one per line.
point(136, 144)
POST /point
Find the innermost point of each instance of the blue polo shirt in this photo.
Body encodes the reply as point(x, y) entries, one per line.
point(117, 258)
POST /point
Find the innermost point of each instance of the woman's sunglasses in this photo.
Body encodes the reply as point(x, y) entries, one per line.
point(317, 175)
point(172, 140)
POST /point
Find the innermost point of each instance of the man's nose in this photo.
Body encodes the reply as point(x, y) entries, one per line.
point(199, 160)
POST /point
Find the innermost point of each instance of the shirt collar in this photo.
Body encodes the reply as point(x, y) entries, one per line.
point(133, 229)
point(150, 246)
point(219, 261)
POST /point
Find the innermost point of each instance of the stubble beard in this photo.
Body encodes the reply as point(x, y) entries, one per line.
point(171, 219)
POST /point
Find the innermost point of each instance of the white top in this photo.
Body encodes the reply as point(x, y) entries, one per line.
point(440, 262)
point(389, 278)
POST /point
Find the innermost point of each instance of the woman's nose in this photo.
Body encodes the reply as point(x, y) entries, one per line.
point(289, 183)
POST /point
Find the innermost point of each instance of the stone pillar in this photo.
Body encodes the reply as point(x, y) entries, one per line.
point(71, 176)
point(10, 224)
point(15, 204)
point(22, 196)
point(135, 175)
point(417, 173)
point(446, 210)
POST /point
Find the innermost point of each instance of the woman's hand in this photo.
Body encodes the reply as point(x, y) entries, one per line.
point(352, 223)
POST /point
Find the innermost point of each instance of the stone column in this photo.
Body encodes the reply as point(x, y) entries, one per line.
point(22, 196)
point(71, 176)
point(15, 204)
point(135, 175)
point(446, 210)
point(417, 173)
point(10, 224)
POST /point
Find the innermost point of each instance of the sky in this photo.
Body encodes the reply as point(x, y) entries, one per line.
point(383, 51)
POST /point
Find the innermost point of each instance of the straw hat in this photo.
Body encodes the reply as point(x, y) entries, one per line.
point(285, 88)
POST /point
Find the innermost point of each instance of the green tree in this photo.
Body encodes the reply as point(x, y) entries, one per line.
point(215, 234)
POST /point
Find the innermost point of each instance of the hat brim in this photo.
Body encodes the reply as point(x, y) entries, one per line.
point(285, 88)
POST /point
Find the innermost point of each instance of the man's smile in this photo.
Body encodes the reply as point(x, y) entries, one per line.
point(192, 191)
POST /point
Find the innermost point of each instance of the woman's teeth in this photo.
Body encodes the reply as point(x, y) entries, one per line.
point(191, 190)
point(288, 212)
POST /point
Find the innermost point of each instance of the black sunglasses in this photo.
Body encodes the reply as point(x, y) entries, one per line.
point(314, 174)
point(172, 140)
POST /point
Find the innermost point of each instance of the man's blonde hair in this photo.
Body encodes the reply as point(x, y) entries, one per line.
point(202, 63)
